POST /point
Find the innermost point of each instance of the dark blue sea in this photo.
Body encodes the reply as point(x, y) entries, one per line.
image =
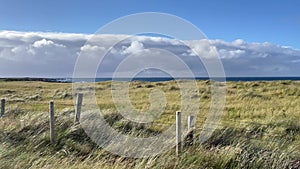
point(161, 79)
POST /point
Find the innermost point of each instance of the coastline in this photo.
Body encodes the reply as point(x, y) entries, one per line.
point(149, 79)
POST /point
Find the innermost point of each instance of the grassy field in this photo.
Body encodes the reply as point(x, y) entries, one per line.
point(260, 127)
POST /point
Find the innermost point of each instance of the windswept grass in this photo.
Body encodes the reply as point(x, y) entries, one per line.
point(260, 127)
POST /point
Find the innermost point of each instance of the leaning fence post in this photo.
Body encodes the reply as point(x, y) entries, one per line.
point(178, 132)
point(190, 135)
point(2, 107)
point(78, 107)
point(51, 113)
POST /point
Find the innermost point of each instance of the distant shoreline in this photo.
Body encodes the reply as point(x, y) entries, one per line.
point(54, 80)
point(147, 79)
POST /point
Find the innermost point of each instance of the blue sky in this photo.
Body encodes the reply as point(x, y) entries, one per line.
point(252, 38)
point(272, 21)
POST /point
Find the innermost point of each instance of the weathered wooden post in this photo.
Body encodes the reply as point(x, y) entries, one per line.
point(178, 132)
point(78, 107)
point(190, 134)
point(52, 125)
point(2, 107)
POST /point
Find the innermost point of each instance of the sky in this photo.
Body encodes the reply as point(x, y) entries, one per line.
point(263, 35)
point(255, 21)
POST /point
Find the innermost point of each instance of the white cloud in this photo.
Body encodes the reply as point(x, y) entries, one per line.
point(55, 54)
point(230, 54)
point(135, 47)
point(202, 48)
point(45, 43)
point(238, 43)
point(38, 54)
point(89, 47)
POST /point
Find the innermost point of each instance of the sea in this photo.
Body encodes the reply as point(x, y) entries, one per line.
point(162, 79)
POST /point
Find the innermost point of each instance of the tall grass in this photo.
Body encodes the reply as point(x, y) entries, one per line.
point(260, 127)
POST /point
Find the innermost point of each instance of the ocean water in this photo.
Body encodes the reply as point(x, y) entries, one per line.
point(161, 79)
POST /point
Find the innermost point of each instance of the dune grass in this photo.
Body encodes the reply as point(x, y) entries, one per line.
point(260, 127)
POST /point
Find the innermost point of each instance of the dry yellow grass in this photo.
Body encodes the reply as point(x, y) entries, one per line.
point(260, 127)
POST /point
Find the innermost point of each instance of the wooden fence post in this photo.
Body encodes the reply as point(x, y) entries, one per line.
point(2, 107)
point(178, 132)
point(52, 125)
point(190, 135)
point(78, 107)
